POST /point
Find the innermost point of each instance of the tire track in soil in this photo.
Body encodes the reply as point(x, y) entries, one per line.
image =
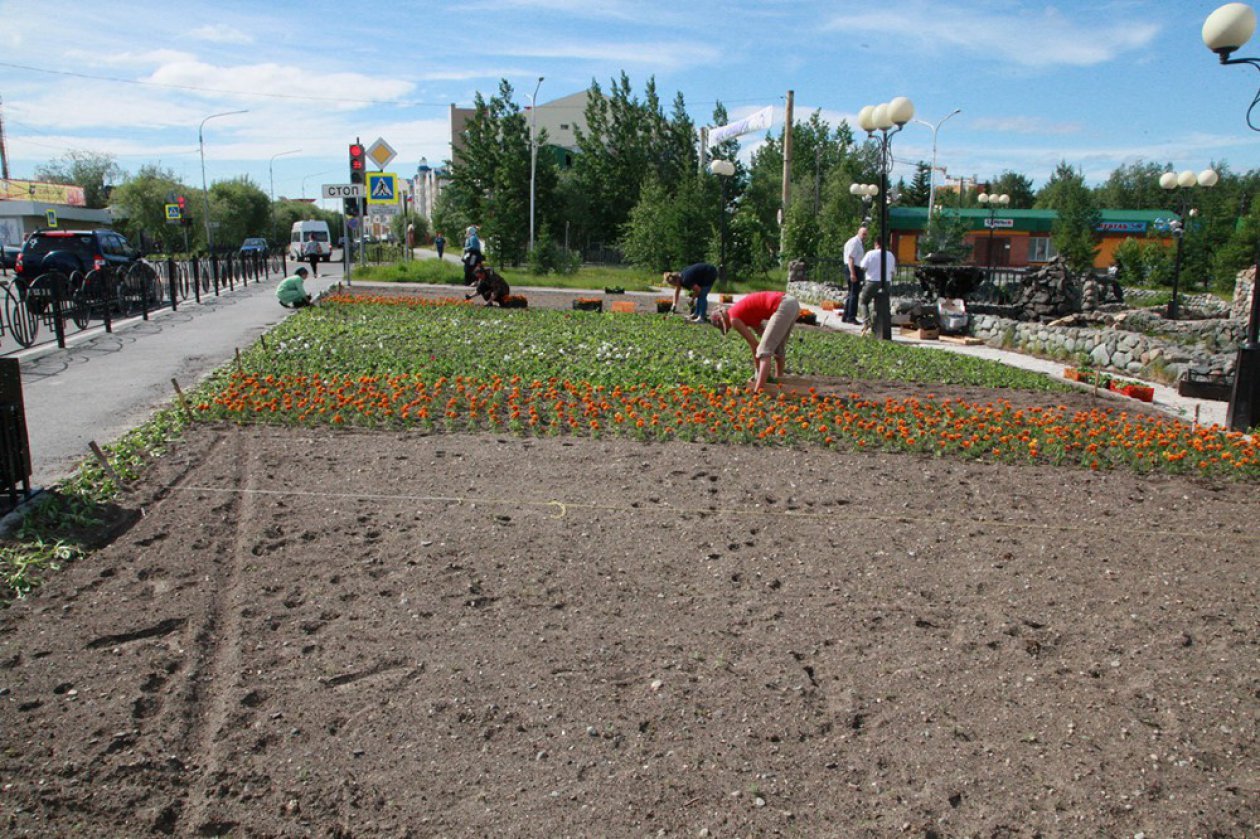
point(220, 641)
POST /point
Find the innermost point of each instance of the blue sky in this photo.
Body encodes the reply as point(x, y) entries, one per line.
point(1096, 84)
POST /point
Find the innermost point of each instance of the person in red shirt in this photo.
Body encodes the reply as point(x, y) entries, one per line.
point(765, 320)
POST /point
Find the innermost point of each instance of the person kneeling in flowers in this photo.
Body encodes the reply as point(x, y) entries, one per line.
point(768, 314)
point(291, 293)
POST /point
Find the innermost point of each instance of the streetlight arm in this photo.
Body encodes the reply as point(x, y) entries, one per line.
point(1254, 62)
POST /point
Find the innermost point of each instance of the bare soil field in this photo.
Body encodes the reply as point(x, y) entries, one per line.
point(358, 634)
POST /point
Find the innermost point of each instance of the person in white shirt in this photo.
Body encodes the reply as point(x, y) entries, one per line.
point(854, 250)
point(874, 282)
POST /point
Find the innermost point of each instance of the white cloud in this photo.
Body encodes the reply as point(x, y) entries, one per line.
point(659, 56)
point(1025, 125)
point(218, 33)
point(341, 90)
point(1039, 37)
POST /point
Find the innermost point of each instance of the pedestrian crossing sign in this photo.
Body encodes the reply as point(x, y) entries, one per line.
point(382, 188)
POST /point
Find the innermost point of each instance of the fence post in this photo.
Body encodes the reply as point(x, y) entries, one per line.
point(107, 298)
point(196, 277)
point(59, 326)
point(144, 297)
point(214, 270)
point(171, 273)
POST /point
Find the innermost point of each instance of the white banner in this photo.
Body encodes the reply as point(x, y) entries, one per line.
point(759, 121)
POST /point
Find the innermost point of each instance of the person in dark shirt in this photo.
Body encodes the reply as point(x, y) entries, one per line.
point(698, 279)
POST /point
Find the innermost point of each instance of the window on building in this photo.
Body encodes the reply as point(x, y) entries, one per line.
point(1041, 249)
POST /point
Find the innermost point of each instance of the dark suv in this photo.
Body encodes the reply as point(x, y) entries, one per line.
point(70, 251)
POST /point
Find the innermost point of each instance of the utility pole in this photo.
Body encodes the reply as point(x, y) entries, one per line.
point(4, 149)
point(787, 170)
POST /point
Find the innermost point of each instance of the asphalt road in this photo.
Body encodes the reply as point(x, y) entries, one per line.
point(103, 385)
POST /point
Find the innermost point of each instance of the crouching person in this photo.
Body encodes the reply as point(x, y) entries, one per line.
point(291, 293)
point(765, 321)
point(489, 285)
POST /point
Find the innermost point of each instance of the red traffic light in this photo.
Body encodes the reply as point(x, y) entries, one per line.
point(181, 200)
point(356, 150)
point(356, 157)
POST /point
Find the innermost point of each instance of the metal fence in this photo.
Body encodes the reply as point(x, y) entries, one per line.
point(54, 304)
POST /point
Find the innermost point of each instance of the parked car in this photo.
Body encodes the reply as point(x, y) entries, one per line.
point(70, 251)
point(254, 246)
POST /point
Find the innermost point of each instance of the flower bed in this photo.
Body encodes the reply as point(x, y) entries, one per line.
point(588, 304)
point(650, 379)
point(807, 316)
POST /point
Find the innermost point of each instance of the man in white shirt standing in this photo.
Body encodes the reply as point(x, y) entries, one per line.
point(854, 250)
point(874, 282)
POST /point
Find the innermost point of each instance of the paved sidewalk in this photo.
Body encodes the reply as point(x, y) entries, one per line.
point(103, 385)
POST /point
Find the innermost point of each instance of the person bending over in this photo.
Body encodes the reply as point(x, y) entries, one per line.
point(291, 293)
point(765, 321)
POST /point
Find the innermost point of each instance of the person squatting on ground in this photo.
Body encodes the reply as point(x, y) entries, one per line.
point(770, 315)
point(291, 293)
point(490, 285)
point(698, 279)
point(874, 283)
point(854, 250)
point(310, 252)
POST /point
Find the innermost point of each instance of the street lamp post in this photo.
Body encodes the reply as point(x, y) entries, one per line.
point(932, 173)
point(724, 169)
point(205, 190)
point(882, 119)
point(1182, 183)
point(1226, 30)
point(867, 193)
point(993, 202)
point(271, 186)
point(533, 156)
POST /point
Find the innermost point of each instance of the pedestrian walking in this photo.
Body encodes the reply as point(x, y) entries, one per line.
point(439, 242)
point(854, 250)
point(765, 320)
point(310, 252)
point(874, 282)
point(698, 280)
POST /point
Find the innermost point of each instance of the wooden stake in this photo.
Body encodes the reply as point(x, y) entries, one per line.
point(239, 366)
point(262, 339)
point(100, 456)
point(183, 402)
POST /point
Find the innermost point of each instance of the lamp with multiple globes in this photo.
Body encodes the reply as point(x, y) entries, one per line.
point(885, 120)
point(1182, 183)
point(993, 202)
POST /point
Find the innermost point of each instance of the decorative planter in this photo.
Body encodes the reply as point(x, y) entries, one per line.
point(515, 301)
point(807, 317)
point(663, 305)
point(614, 290)
point(1072, 374)
point(829, 306)
point(586, 304)
point(727, 298)
point(1140, 392)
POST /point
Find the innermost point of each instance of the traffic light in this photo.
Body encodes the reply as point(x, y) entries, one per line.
point(356, 163)
point(357, 168)
point(184, 219)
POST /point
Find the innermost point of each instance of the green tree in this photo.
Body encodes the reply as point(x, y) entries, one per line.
point(919, 189)
point(1018, 186)
point(93, 171)
point(240, 210)
point(1075, 230)
point(141, 208)
point(1133, 186)
point(1240, 251)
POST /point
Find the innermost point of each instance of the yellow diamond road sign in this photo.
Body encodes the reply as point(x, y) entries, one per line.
point(381, 153)
point(382, 188)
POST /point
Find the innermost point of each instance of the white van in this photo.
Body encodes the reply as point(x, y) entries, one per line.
point(310, 231)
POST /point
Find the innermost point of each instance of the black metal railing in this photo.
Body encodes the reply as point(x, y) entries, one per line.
point(54, 304)
point(15, 450)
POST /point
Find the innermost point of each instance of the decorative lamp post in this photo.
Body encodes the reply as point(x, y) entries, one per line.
point(271, 181)
point(1182, 183)
point(205, 190)
point(932, 171)
point(993, 202)
point(1226, 30)
point(533, 156)
point(724, 169)
point(886, 119)
point(867, 193)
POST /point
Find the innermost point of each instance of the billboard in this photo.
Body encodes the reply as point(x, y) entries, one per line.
point(70, 196)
